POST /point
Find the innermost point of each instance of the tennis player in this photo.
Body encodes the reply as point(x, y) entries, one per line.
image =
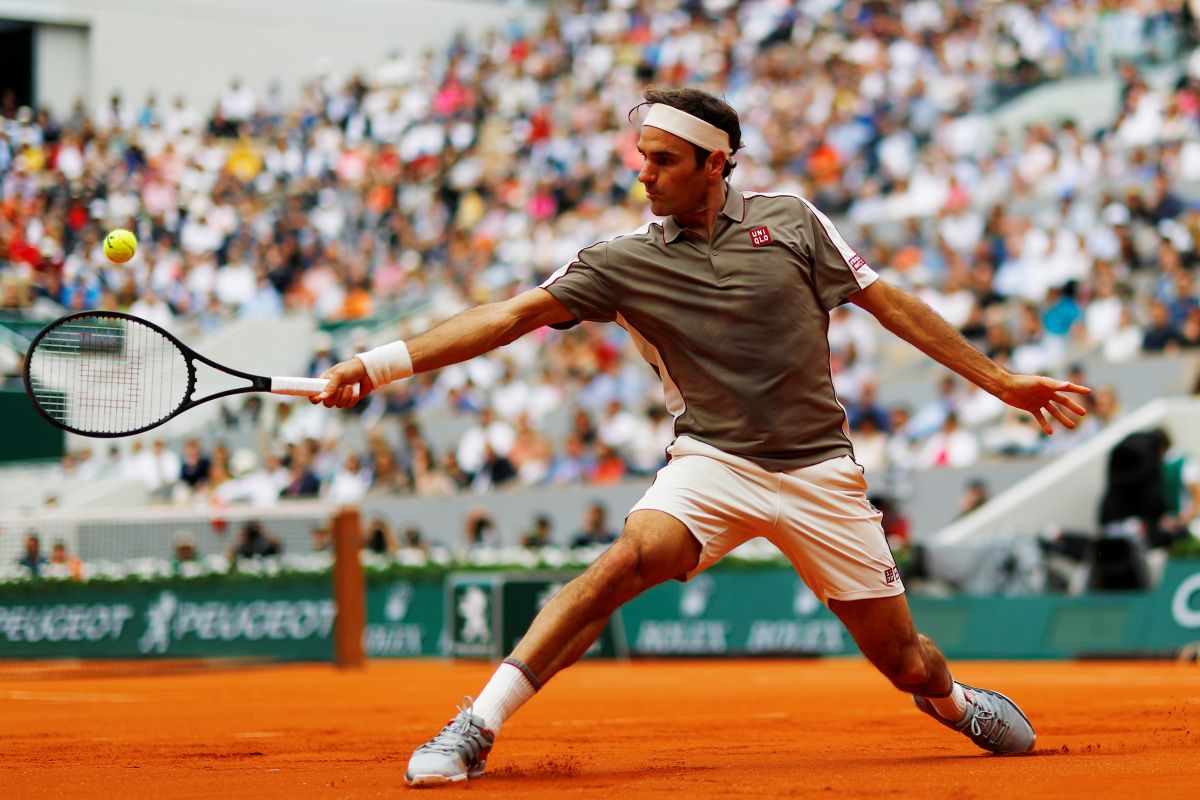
point(728, 299)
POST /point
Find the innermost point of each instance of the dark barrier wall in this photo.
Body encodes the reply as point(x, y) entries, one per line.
point(27, 436)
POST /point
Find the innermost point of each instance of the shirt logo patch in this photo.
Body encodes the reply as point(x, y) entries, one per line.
point(858, 262)
point(760, 236)
point(891, 575)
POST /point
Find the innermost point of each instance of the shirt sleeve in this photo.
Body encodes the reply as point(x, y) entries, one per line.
point(837, 270)
point(582, 287)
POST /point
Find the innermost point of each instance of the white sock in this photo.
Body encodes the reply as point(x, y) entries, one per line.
point(509, 689)
point(953, 706)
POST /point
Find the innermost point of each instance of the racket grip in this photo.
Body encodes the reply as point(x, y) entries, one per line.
point(301, 387)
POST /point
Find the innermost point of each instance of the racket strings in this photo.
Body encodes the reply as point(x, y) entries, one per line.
point(107, 375)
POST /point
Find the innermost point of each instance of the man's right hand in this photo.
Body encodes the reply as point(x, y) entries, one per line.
point(342, 379)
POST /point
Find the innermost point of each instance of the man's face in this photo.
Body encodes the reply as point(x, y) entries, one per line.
point(674, 184)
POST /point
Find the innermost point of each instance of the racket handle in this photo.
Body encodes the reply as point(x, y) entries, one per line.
point(301, 387)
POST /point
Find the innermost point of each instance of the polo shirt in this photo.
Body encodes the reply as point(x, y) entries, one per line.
point(736, 327)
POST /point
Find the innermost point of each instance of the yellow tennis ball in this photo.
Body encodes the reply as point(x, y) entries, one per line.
point(120, 245)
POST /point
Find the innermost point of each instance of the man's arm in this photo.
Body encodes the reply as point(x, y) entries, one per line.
point(462, 337)
point(919, 325)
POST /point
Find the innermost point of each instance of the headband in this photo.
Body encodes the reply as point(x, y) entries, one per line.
point(689, 128)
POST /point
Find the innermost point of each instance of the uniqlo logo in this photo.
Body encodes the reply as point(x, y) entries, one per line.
point(858, 262)
point(891, 575)
point(760, 236)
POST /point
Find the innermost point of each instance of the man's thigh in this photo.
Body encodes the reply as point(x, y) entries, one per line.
point(832, 534)
point(721, 500)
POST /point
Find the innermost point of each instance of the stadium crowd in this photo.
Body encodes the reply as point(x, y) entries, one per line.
point(468, 173)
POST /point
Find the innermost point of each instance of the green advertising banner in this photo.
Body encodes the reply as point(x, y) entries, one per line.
point(765, 611)
point(489, 612)
point(522, 596)
point(404, 618)
point(752, 612)
point(292, 622)
point(473, 615)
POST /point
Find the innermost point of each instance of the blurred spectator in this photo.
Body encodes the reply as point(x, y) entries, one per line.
point(495, 471)
point(595, 528)
point(949, 447)
point(1126, 341)
point(32, 558)
point(531, 452)
point(350, 481)
point(255, 542)
point(974, 495)
point(184, 551)
point(867, 405)
point(870, 446)
point(488, 432)
point(302, 481)
point(608, 466)
point(572, 465)
point(322, 539)
point(539, 535)
point(648, 451)
point(1160, 335)
point(413, 540)
point(195, 465)
point(481, 530)
point(380, 538)
point(63, 560)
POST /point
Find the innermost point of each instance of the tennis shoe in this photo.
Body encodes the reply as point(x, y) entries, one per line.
point(992, 721)
point(459, 752)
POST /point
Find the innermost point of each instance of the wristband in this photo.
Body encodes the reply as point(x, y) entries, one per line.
point(387, 363)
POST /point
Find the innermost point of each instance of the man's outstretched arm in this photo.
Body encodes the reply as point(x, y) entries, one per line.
point(919, 325)
point(462, 337)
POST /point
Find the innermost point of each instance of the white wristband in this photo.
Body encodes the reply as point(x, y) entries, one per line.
point(387, 363)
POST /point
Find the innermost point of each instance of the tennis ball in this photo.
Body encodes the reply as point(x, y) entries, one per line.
point(120, 245)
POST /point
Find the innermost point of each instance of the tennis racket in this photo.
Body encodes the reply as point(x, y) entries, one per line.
point(107, 374)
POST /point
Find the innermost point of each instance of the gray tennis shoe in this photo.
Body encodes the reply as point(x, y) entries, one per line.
point(459, 752)
point(992, 721)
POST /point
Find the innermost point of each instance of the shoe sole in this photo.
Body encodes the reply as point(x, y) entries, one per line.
point(1019, 711)
point(425, 781)
point(429, 781)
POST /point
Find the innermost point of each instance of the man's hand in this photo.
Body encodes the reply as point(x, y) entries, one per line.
point(1041, 396)
point(342, 379)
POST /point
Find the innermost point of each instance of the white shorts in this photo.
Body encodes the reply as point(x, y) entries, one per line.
point(818, 516)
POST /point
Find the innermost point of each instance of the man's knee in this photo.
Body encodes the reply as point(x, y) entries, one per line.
point(644, 556)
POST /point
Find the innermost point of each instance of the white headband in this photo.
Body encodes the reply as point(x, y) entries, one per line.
point(689, 128)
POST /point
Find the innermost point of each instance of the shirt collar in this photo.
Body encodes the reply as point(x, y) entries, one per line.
point(734, 209)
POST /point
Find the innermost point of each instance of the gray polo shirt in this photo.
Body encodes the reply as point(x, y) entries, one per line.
point(735, 327)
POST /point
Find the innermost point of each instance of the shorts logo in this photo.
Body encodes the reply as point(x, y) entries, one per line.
point(891, 575)
point(857, 263)
point(760, 236)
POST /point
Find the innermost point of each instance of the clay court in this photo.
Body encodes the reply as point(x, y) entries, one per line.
point(829, 728)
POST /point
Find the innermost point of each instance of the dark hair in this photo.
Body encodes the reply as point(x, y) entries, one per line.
point(707, 107)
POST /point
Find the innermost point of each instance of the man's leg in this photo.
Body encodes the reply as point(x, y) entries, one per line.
point(883, 629)
point(654, 547)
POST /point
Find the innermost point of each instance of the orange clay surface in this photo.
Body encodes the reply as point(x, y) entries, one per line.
point(707, 729)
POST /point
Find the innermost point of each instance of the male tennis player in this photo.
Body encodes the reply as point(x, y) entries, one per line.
point(728, 299)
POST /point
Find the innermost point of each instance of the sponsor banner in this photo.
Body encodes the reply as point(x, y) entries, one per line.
point(292, 622)
point(522, 596)
point(767, 612)
point(472, 615)
point(483, 615)
point(404, 619)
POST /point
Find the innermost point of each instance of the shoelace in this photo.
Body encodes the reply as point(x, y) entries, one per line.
point(995, 725)
point(459, 734)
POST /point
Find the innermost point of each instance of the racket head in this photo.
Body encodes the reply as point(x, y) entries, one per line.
point(106, 374)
